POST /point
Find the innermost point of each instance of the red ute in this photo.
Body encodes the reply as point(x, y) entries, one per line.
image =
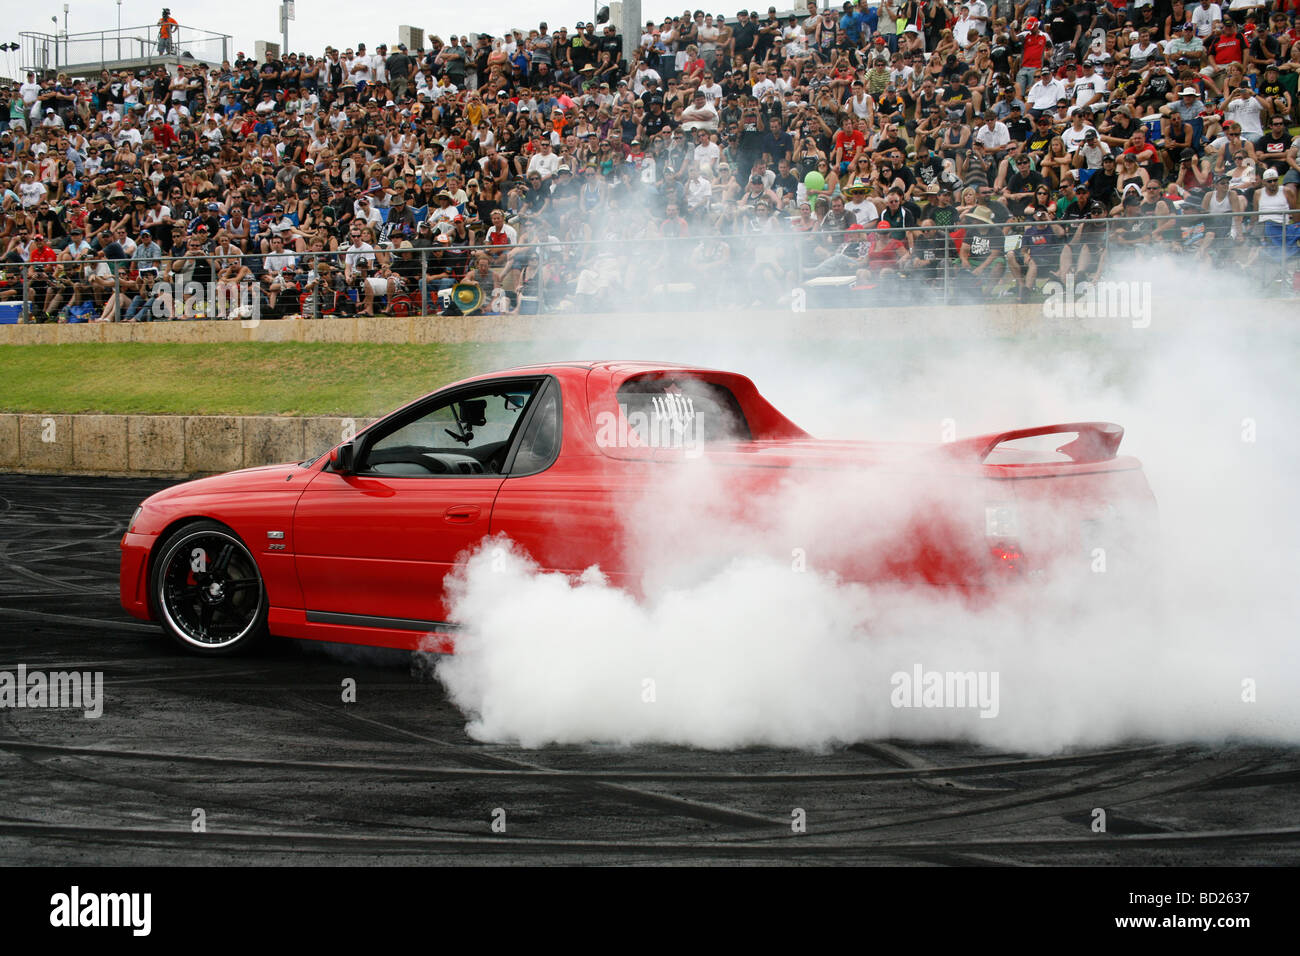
point(354, 546)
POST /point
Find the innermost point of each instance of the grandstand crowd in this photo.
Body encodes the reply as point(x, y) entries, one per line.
point(986, 146)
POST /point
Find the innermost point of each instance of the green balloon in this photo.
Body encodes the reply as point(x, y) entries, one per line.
point(814, 182)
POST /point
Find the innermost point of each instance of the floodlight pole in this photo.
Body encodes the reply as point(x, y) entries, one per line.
point(287, 13)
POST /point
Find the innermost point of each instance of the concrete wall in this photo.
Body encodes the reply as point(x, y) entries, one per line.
point(994, 319)
point(162, 445)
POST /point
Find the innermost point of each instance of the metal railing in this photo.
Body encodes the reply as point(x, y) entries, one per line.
point(46, 53)
point(966, 263)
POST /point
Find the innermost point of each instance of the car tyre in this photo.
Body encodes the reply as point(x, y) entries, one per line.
point(208, 591)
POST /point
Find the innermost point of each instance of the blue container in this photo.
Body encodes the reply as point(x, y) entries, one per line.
point(10, 312)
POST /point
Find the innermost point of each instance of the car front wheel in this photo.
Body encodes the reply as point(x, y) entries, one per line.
point(208, 590)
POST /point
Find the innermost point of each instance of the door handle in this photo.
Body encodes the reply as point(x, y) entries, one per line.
point(462, 514)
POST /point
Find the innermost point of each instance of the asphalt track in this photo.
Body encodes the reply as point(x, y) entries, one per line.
point(286, 773)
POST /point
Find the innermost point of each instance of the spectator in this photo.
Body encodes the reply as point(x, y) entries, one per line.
point(476, 139)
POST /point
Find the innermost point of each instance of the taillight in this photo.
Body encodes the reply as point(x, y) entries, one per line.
point(1007, 558)
point(1001, 527)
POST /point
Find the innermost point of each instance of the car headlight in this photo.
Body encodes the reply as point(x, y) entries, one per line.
point(135, 516)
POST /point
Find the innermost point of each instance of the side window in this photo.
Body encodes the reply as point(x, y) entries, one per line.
point(540, 442)
point(468, 434)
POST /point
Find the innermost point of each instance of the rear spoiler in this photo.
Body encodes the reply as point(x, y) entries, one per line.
point(1096, 441)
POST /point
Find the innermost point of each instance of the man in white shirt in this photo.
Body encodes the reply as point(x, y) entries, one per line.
point(698, 115)
point(544, 162)
point(712, 90)
point(212, 134)
point(1203, 16)
point(1244, 107)
point(157, 214)
point(1091, 152)
point(707, 153)
point(31, 191)
point(359, 67)
point(1142, 49)
point(177, 115)
point(29, 91)
point(127, 133)
point(442, 211)
point(964, 25)
point(1078, 129)
point(764, 85)
point(644, 72)
point(1042, 96)
point(699, 189)
point(365, 212)
point(993, 136)
point(274, 265)
point(858, 202)
point(1090, 87)
point(356, 251)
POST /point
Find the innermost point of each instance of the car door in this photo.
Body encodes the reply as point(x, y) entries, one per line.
point(373, 546)
point(562, 505)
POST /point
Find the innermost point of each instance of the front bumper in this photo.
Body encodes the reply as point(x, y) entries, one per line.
point(133, 578)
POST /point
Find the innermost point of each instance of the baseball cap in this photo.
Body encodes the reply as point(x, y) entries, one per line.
point(1270, 174)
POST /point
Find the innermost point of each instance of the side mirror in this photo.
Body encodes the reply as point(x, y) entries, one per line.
point(342, 459)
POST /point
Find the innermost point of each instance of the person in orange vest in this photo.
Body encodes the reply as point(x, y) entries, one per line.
point(166, 32)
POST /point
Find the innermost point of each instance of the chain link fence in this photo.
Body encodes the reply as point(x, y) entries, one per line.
point(863, 267)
